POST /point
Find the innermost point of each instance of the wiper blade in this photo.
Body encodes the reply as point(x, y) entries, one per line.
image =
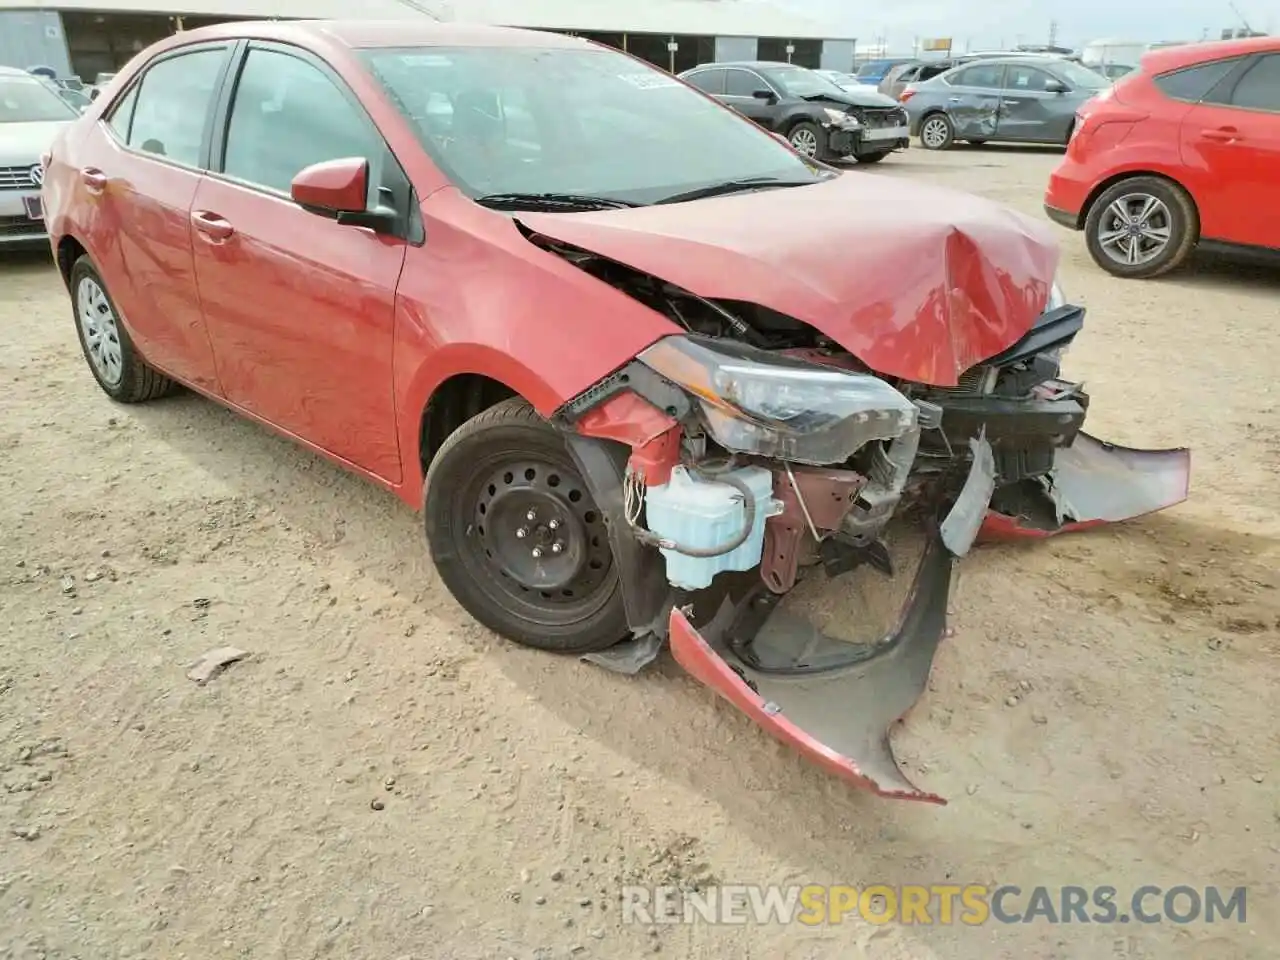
point(540, 200)
point(732, 186)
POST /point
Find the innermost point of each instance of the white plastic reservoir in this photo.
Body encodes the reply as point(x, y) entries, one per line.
point(703, 514)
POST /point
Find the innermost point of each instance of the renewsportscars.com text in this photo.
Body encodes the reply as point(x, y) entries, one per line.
point(941, 904)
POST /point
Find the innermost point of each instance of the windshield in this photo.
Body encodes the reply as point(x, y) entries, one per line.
point(1081, 77)
point(799, 82)
point(582, 122)
point(27, 100)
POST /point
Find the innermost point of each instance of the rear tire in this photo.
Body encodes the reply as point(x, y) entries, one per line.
point(937, 132)
point(517, 537)
point(112, 358)
point(1142, 227)
point(872, 157)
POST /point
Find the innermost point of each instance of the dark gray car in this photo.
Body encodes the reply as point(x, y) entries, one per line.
point(1013, 99)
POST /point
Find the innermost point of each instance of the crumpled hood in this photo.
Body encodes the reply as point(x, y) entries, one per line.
point(918, 282)
point(864, 97)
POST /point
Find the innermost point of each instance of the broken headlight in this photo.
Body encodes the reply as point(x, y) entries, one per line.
point(771, 405)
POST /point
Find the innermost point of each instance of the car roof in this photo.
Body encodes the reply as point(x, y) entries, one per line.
point(750, 65)
point(418, 32)
point(1163, 59)
point(13, 72)
point(1027, 60)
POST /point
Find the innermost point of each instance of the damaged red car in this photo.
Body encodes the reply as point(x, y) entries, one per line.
point(603, 331)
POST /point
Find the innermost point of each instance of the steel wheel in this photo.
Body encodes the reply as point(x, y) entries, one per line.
point(805, 139)
point(1135, 229)
point(517, 536)
point(99, 329)
point(541, 540)
point(935, 132)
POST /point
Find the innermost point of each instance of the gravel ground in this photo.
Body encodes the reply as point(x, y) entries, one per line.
point(381, 778)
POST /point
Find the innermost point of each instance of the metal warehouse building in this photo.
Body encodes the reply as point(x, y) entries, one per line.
point(88, 37)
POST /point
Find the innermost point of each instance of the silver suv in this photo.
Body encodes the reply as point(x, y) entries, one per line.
point(31, 115)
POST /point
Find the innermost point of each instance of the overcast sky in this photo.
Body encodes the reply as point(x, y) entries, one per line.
point(985, 25)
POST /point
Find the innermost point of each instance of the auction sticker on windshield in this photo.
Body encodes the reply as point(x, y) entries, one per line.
point(649, 81)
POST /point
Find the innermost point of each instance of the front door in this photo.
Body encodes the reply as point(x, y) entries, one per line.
point(740, 88)
point(1236, 141)
point(300, 308)
point(141, 171)
point(973, 101)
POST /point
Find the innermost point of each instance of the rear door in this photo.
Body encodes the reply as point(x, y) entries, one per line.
point(300, 308)
point(140, 170)
point(1233, 135)
point(973, 100)
point(1029, 112)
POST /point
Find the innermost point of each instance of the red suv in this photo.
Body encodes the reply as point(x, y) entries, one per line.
point(1184, 151)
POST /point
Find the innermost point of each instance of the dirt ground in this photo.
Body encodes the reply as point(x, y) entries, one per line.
point(1105, 713)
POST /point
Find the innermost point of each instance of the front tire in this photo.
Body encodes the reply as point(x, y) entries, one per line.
point(937, 132)
point(809, 139)
point(1142, 227)
point(872, 157)
point(517, 537)
point(112, 358)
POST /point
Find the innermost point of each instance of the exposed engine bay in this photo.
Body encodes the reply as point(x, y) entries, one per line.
point(758, 449)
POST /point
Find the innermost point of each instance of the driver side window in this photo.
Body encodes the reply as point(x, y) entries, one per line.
point(742, 83)
point(286, 116)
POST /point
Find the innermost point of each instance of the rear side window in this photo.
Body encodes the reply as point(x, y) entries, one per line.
point(173, 104)
point(1193, 84)
point(983, 75)
point(1259, 88)
point(288, 115)
point(708, 81)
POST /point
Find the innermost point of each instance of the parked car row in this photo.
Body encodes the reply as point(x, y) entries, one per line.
point(817, 116)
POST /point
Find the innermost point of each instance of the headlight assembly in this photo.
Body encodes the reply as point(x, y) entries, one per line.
point(840, 118)
point(1056, 298)
point(772, 405)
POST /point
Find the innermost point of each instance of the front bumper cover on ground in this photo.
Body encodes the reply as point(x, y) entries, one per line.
point(834, 701)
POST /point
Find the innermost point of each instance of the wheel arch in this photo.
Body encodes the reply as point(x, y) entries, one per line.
point(1104, 185)
point(457, 382)
point(67, 252)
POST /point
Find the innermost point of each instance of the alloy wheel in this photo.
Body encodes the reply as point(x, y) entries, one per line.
point(934, 132)
point(1135, 229)
point(805, 141)
point(100, 330)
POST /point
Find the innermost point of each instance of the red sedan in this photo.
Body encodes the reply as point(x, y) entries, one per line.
point(1183, 152)
point(626, 350)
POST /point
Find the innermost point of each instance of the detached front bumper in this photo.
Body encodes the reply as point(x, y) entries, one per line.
point(835, 702)
point(845, 140)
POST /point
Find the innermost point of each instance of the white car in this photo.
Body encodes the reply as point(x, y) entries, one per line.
point(31, 115)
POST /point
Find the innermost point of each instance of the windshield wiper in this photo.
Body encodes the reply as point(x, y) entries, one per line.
point(732, 186)
point(539, 201)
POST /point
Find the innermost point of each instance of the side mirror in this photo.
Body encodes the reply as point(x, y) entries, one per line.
point(766, 95)
point(1055, 86)
point(340, 189)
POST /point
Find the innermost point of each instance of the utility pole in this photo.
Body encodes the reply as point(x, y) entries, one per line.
point(1053, 33)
